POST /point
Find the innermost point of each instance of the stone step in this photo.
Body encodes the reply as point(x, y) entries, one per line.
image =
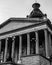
point(9, 63)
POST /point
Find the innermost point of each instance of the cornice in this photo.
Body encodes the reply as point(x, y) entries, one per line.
point(27, 20)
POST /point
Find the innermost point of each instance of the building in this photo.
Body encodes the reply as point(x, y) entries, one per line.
point(27, 40)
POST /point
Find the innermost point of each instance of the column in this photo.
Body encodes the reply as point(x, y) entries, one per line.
point(37, 43)
point(0, 46)
point(46, 43)
point(49, 44)
point(5, 54)
point(16, 56)
point(28, 43)
point(50, 39)
point(20, 48)
point(13, 44)
point(0, 52)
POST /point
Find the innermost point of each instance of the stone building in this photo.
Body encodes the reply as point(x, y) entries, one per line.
point(27, 40)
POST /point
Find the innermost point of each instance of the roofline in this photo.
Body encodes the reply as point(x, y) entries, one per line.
point(23, 28)
point(32, 20)
point(27, 19)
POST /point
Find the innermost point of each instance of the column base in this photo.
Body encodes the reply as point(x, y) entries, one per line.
point(48, 57)
point(19, 62)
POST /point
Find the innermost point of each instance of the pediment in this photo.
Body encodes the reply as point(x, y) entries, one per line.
point(14, 25)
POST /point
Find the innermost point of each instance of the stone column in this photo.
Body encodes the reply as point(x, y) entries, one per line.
point(37, 43)
point(0, 46)
point(49, 44)
point(28, 43)
point(16, 56)
point(46, 43)
point(0, 52)
point(20, 48)
point(5, 54)
point(13, 44)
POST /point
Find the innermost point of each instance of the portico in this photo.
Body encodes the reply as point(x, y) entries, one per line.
point(28, 40)
point(25, 44)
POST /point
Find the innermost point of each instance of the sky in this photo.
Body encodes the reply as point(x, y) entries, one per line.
point(22, 8)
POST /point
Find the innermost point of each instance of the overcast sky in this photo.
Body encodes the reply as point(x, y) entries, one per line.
point(22, 8)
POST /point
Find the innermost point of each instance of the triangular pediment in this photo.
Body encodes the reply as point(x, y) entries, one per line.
point(12, 25)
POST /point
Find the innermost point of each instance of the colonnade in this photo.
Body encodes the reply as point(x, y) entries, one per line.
point(28, 45)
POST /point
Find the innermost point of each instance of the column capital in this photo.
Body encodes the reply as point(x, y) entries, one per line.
point(7, 38)
point(36, 31)
point(45, 29)
point(13, 37)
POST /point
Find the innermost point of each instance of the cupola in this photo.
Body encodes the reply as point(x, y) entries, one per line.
point(36, 12)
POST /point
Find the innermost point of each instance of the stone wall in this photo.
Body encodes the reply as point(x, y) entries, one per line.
point(35, 60)
point(44, 61)
point(30, 60)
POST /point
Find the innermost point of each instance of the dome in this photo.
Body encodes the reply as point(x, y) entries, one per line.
point(36, 13)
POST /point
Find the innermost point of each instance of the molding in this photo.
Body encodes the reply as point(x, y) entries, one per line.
point(27, 29)
point(49, 29)
point(32, 20)
point(30, 55)
point(35, 55)
point(21, 31)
